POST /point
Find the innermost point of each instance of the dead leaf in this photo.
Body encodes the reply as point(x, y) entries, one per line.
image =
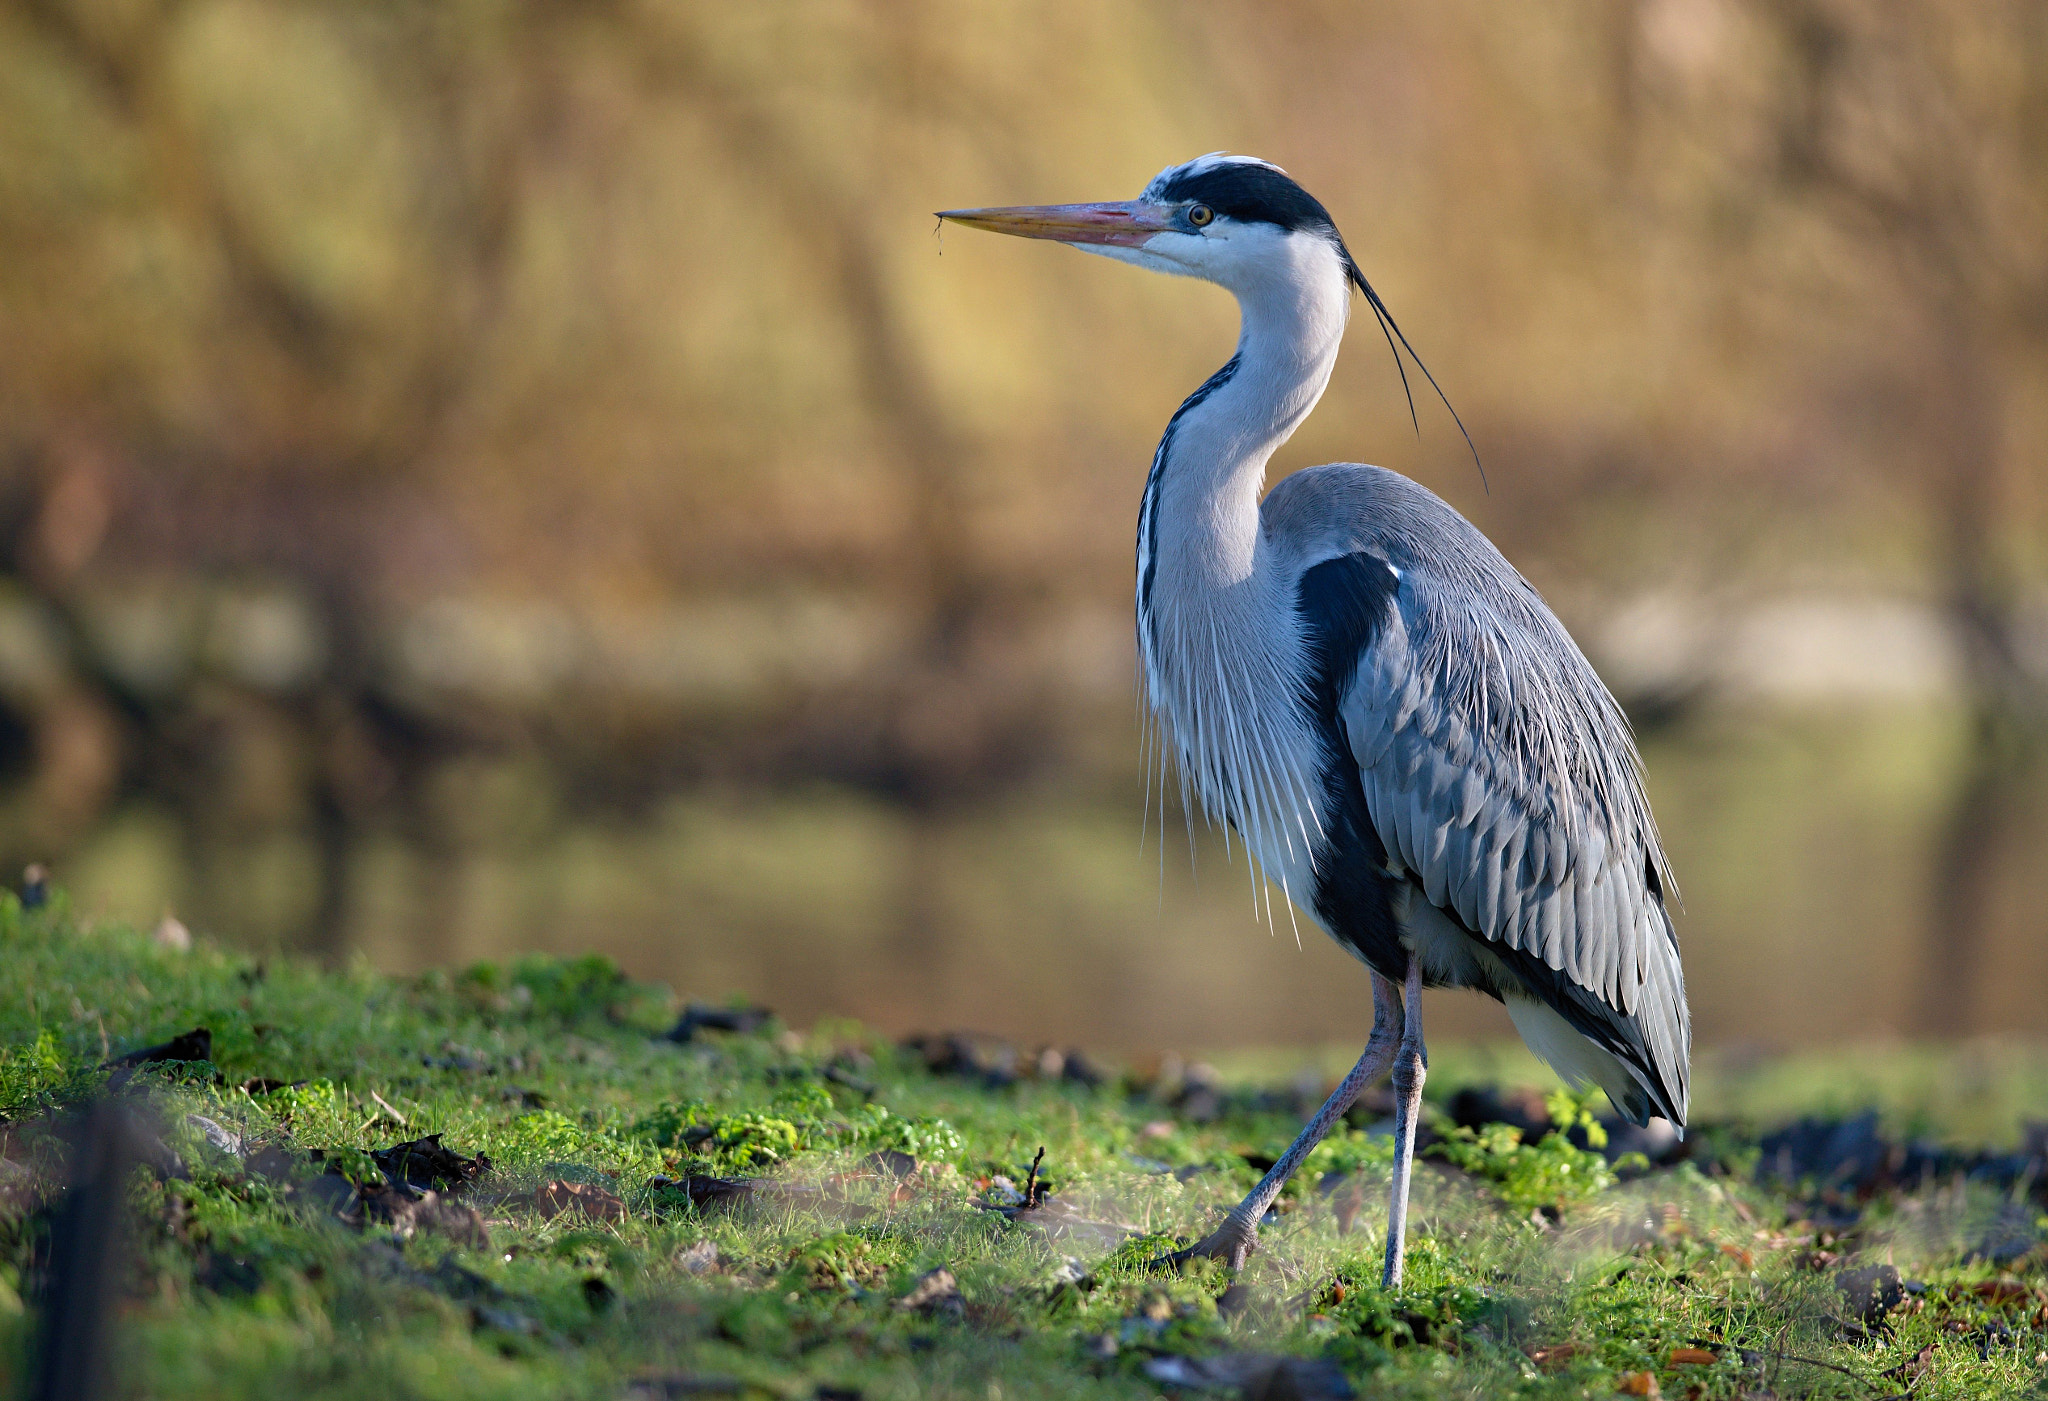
point(330, 1192)
point(196, 1044)
point(701, 1258)
point(969, 1055)
point(405, 1211)
point(504, 1320)
point(551, 1199)
point(2000, 1292)
point(425, 1163)
point(1871, 1292)
point(890, 1162)
point(272, 1162)
point(1739, 1256)
point(1558, 1356)
point(1256, 1376)
point(936, 1292)
point(435, 1213)
point(663, 1386)
point(220, 1139)
point(699, 1017)
point(707, 1191)
point(1639, 1384)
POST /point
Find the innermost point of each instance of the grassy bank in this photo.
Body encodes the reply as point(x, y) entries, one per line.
point(761, 1211)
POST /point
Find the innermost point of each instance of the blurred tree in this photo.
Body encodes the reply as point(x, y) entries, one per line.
point(1916, 138)
point(309, 369)
point(387, 390)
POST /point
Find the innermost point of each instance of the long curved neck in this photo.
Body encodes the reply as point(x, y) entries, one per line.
point(1198, 528)
point(1214, 632)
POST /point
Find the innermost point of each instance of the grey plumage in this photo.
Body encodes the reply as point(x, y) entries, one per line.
point(1501, 774)
point(1351, 677)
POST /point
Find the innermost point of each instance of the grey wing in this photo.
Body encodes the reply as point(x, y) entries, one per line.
point(1501, 775)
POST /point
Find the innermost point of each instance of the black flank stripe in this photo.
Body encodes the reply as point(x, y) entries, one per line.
point(1344, 604)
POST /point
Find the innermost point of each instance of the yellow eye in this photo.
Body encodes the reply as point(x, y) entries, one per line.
point(1200, 215)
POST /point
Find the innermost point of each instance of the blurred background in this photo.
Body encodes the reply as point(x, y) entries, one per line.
point(487, 476)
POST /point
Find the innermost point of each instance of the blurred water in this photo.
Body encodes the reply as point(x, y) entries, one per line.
point(1802, 848)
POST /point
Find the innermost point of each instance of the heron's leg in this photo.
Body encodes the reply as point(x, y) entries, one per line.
point(1235, 1239)
point(1410, 1066)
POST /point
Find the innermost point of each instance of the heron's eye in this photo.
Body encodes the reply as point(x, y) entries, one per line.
point(1200, 214)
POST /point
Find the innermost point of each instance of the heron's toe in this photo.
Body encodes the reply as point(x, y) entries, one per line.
point(1230, 1243)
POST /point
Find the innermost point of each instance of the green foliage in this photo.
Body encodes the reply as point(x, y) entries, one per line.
point(1349, 1151)
point(546, 1134)
point(928, 1138)
point(557, 989)
point(755, 1142)
point(1405, 1317)
point(666, 1125)
point(804, 1098)
point(1552, 1173)
point(848, 1260)
point(800, 1117)
point(1574, 1109)
point(353, 1163)
point(249, 1291)
point(549, 1140)
point(314, 1111)
point(33, 1076)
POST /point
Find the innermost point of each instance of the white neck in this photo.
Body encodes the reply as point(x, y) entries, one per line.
point(1211, 471)
point(1217, 632)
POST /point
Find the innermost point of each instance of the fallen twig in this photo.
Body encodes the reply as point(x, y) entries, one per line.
point(1816, 1362)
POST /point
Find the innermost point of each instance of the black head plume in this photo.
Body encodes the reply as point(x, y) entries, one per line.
point(1391, 329)
point(1255, 192)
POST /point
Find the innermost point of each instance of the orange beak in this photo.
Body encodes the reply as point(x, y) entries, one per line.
point(1126, 225)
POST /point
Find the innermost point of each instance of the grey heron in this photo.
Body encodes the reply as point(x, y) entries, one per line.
point(1355, 680)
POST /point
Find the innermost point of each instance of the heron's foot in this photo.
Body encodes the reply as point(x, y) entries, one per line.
point(1232, 1243)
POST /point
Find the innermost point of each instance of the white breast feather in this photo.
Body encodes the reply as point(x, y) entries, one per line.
point(1217, 683)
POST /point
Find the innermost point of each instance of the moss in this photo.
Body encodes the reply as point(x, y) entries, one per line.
point(249, 1286)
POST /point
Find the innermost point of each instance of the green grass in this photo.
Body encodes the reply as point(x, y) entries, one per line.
point(245, 1286)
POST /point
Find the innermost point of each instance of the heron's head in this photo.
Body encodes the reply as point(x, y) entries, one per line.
point(1236, 221)
point(1233, 220)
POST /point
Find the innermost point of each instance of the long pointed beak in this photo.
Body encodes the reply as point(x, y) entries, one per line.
point(1126, 225)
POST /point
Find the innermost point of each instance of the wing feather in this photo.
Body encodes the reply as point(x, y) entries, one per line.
point(1499, 772)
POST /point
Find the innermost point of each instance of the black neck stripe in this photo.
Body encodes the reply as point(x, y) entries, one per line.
point(1148, 510)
